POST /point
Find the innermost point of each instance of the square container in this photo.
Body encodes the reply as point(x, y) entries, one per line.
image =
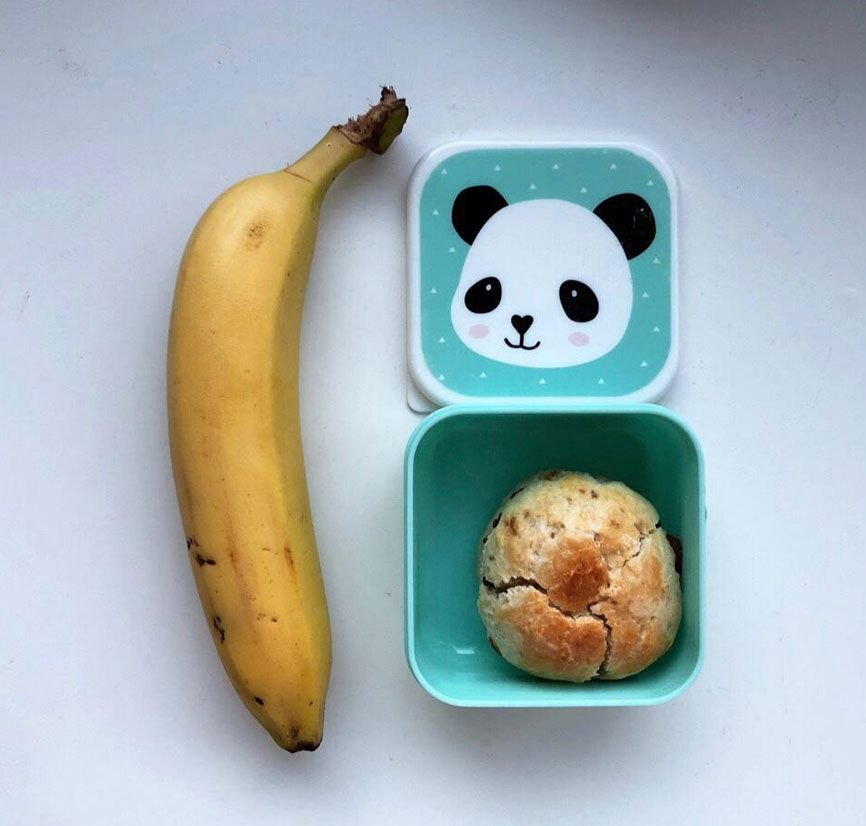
point(503, 238)
point(447, 363)
point(459, 463)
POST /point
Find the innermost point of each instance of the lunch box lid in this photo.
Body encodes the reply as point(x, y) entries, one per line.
point(541, 271)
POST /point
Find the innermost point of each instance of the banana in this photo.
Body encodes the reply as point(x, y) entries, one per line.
point(234, 428)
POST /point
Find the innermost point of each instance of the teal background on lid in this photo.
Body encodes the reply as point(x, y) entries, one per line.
point(461, 462)
point(585, 176)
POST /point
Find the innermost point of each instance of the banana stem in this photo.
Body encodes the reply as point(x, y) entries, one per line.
point(375, 130)
point(379, 126)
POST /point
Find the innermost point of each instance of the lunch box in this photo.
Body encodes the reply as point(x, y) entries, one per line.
point(542, 324)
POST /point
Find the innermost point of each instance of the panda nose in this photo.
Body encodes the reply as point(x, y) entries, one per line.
point(521, 323)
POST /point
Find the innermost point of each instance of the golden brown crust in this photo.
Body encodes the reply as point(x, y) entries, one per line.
point(544, 641)
point(575, 575)
point(568, 561)
point(639, 609)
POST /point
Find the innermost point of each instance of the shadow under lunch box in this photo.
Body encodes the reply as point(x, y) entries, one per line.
point(542, 320)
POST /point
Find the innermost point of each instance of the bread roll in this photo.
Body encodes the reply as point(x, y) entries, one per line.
point(578, 579)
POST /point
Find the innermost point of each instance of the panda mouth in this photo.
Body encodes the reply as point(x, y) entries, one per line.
point(521, 346)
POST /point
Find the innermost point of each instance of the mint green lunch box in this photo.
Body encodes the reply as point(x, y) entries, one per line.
point(542, 298)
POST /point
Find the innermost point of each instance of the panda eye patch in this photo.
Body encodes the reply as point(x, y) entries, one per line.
point(484, 295)
point(578, 300)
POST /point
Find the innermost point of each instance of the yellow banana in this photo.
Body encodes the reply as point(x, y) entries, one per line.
point(235, 432)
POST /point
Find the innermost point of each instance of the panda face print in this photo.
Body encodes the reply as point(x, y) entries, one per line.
point(546, 283)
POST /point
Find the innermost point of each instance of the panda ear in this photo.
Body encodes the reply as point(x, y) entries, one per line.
point(630, 218)
point(473, 208)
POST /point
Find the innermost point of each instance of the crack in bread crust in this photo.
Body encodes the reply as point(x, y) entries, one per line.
point(591, 610)
point(602, 669)
point(642, 538)
point(554, 644)
point(514, 582)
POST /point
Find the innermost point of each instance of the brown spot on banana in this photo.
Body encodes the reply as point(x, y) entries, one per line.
point(256, 235)
point(218, 627)
point(203, 560)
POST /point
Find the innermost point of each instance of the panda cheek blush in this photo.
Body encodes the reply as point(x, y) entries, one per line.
point(479, 331)
point(579, 339)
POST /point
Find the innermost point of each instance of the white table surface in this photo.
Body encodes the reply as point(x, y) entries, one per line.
point(119, 124)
